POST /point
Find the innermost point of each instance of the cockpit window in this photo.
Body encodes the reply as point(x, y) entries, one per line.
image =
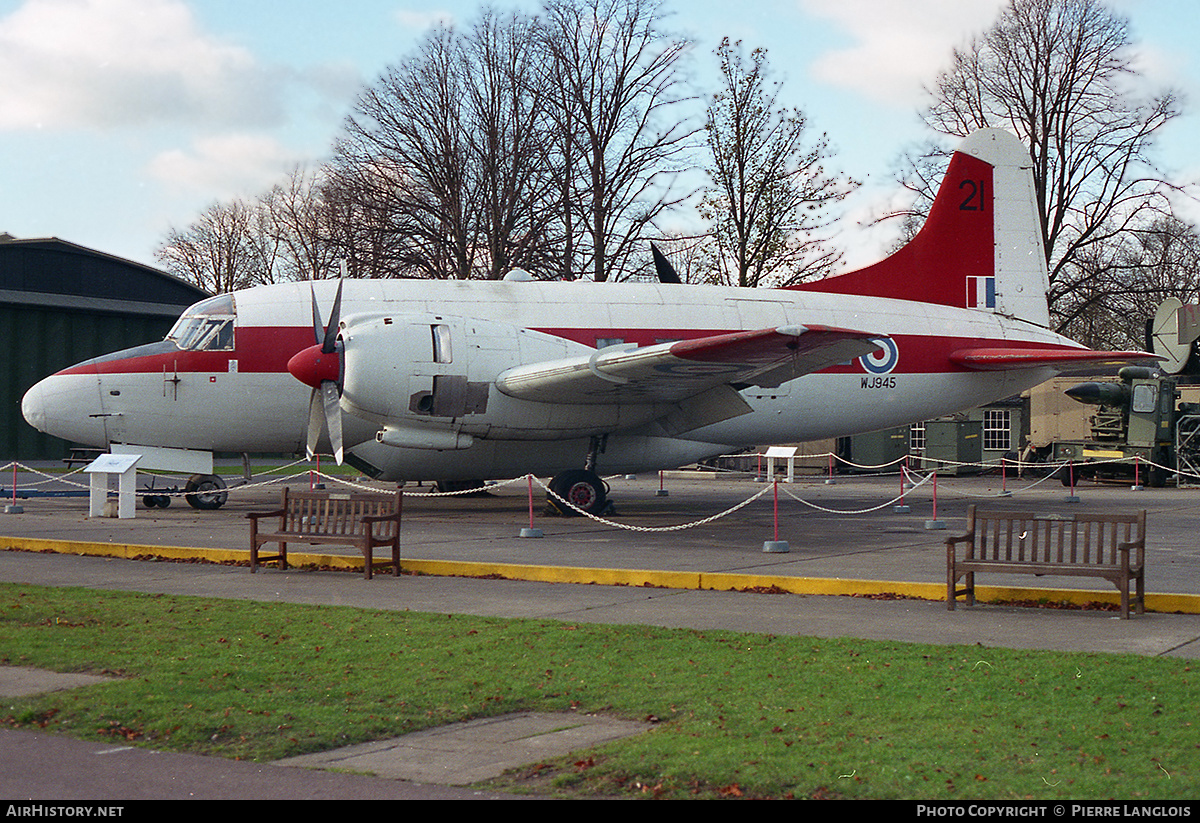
point(206, 326)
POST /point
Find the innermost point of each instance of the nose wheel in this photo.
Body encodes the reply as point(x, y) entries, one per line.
point(581, 488)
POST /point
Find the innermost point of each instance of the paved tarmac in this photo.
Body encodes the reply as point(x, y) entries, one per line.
point(843, 538)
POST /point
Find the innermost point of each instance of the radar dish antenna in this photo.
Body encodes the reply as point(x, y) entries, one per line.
point(1164, 336)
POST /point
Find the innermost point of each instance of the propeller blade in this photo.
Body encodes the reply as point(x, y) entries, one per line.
point(316, 417)
point(662, 267)
point(318, 326)
point(314, 367)
point(329, 344)
point(333, 416)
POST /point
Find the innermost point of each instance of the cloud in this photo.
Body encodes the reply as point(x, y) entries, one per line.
point(418, 21)
point(225, 166)
point(897, 47)
point(105, 63)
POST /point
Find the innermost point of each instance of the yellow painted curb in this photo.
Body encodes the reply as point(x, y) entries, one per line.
point(651, 578)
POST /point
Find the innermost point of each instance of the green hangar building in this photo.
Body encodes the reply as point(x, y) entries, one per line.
point(61, 303)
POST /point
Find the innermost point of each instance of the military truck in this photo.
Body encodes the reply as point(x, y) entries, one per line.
point(1134, 433)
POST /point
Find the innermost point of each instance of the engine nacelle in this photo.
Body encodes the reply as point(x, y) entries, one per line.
point(430, 379)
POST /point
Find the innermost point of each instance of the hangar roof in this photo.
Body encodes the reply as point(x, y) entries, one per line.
point(55, 273)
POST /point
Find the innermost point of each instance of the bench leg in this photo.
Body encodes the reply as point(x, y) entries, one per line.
point(953, 592)
point(255, 561)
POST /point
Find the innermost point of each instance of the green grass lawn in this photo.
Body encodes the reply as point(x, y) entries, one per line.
point(736, 715)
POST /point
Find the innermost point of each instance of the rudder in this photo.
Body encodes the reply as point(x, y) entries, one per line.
point(981, 245)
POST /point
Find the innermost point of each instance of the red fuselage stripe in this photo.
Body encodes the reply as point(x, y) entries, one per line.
point(267, 349)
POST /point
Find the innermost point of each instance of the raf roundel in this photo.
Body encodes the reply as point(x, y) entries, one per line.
point(882, 360)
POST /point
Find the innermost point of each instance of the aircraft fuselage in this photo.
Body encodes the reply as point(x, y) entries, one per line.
point(237, 395)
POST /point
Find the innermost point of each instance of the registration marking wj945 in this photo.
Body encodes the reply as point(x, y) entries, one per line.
point(879, 365)
point(887, 382)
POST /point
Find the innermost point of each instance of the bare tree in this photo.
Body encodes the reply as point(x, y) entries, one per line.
point(359, 220)
point(508, 94)
point(214, 252)
point(450, 150)
point(515, 143)
point(410, 126)
point(1120, 285)
point(1060, 74)
point(772, 193)
point(291, 229)
point(619, 83)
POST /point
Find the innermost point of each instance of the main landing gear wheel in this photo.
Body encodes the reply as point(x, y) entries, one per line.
point(582, 489)
point(205, 492)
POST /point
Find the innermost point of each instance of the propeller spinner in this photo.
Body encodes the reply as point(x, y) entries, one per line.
point(320, 366)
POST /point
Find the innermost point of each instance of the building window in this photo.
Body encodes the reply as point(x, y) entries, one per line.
point(916, 437)
point(997, 430)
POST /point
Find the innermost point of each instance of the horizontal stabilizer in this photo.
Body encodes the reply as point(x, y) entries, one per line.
point(999, 359)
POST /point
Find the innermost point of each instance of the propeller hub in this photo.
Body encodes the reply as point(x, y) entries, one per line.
point(313, 366)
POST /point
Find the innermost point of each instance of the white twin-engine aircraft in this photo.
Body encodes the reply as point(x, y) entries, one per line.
point(462, 381)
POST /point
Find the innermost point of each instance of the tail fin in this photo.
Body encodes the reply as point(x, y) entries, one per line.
point(980, 246)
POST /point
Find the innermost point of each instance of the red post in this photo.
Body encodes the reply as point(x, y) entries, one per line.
point(530, 477)
point(1003, 475)
point(776, 511)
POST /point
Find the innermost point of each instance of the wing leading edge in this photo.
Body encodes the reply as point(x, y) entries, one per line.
point(674, 371)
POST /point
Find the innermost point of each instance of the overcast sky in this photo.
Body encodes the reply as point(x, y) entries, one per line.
point(122, 118)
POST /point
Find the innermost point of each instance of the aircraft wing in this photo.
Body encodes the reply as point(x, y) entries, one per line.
point(674, 371)
point(1002, 359)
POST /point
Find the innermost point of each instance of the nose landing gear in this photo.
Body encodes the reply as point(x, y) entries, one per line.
point(205, 492)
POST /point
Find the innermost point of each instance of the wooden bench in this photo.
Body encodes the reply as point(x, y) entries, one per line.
point(360, 519)
point(1111, 546)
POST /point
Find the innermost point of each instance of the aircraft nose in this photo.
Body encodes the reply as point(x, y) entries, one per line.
point(66, 406)
point(33, 407)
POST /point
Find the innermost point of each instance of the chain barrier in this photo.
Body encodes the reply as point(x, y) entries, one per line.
point(891, 502)
point(65, 478)
point(627, 527)
point(275, 478)
point(456, 493)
